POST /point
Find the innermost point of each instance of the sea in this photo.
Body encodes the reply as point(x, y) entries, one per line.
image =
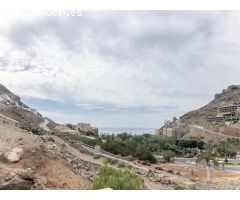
point(133, 131)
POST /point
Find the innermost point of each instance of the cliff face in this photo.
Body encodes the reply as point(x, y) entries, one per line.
point(229, 95)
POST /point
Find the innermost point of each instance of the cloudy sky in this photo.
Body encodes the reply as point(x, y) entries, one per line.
point(119, 68)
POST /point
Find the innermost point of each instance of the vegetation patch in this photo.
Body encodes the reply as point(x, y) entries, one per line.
point(116, 179)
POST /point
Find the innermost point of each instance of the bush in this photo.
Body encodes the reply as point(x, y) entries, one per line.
point(116, 179)
point(144, 153)
point(168, 154)
point(114, 147)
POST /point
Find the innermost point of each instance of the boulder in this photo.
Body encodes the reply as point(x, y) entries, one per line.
point(29, 174)
point(16, 184)
point(14, 155)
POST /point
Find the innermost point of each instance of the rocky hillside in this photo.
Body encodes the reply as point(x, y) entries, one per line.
point(12, 107)
point(30, 161)
point(8, 98)
point(229, 95)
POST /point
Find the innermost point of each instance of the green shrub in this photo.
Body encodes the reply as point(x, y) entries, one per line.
point(168, 154)
point(143, 153)
point(116, 179)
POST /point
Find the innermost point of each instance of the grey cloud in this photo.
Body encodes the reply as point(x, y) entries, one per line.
point(172, 54)
point(109, 33)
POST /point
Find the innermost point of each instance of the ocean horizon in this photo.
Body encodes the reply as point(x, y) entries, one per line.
point(133, 131)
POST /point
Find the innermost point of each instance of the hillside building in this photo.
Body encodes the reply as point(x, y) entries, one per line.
point(173, 129)
point(86, 127)
point(226, 113)
point(80, 127)
point(83, 126)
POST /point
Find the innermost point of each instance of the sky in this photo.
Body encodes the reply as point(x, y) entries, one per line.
point(119, 68)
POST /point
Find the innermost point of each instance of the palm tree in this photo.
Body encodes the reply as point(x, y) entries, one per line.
point(207, 157)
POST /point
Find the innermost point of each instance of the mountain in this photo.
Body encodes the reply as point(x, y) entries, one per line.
point(199, 116)
point(12, 107)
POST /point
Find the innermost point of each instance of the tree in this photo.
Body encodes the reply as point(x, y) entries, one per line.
point(71, 126)
point(124, 136)
point(226, 149)
point(168, 154)
point(208, 156)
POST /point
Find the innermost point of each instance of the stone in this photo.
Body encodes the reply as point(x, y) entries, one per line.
point(29, 174)
point(96, 156)
point(42, 139)
point(14, 155)
point(195, 179)
point(121, 165)
point(129, 166)
point(17, 184)
point(50, 139)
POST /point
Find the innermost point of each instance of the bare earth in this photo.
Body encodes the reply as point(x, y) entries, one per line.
point(51, 172)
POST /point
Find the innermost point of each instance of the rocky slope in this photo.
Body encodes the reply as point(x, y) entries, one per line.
point(229, 95)
point(12, 107)
point(30, 161)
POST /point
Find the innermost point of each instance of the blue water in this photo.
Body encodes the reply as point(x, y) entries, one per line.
point(133, 131)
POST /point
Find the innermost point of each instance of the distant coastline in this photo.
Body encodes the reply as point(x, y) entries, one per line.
point(133, 131)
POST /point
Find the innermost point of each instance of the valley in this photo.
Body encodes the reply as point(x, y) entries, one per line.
point(36, 154)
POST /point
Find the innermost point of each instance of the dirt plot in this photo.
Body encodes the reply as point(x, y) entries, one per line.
point(200, 172)
point(53, 173)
